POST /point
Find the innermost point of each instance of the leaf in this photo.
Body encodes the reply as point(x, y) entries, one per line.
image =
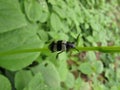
point(4, 83)
point(45, 12)
point(59, 11)
point(43, 35)
point(78, 83)
point(73, 16)
point(91, 55)
point(102, 36)
point(22, 78)
point(37, 83)
point(100, 87)
point(87, 26)
point(53, 2)
point(62, 36)
point(33, 10)
point(11, 16)
point(86, 68)
point(63, 69)
point(70, 80)
point(55, 22)
point(98, 67)
point(19, 39)
point(43, 17)
point(90, 39)
point(50, 74)
point(114, 87)
point(58, 36)
point(65, 27)
point(85, 86)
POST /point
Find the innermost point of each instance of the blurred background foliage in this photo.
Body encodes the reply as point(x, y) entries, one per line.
point(97, 22)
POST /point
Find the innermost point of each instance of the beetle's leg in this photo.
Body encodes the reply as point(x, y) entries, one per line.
point(58, 54)
point(76, 49)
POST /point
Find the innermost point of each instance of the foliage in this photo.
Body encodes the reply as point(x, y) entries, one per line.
point(33, 24)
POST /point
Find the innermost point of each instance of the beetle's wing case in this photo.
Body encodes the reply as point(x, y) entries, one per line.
point(64, 48)
point(58, 46)
point(55, 47)
point(61, 45)
point(52, 46)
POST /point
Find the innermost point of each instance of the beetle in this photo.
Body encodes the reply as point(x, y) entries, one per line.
point(61, 46)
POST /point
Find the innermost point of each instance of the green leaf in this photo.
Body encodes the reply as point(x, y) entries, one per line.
point(99, 86)
point(43, 17)
point(59, 11)
point(53, 2)
point(33, 10)
point(45, 11)
point(22, 78)
point(43, 35)
point(65, 27)
point(37, 83)
point(87, 26)
point(11, 16)
point(90, 39)
point(114, 88)
point(50, 74)
point(58, 36)
point(63, 36)
point(55, 22)
point(70, 80)
point(91, 55)
point(19, 39)
point(4, 83)
point(63, 69)
point(85, 86)
point(78, 83)
point(86, 68)
point(73, 16)
point(97, 67)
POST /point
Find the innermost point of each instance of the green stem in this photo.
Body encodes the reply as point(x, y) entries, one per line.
point(106, 49)
point(23, 51)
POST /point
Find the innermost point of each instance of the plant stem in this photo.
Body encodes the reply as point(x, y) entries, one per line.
point(106, 49)
point(23, 51)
